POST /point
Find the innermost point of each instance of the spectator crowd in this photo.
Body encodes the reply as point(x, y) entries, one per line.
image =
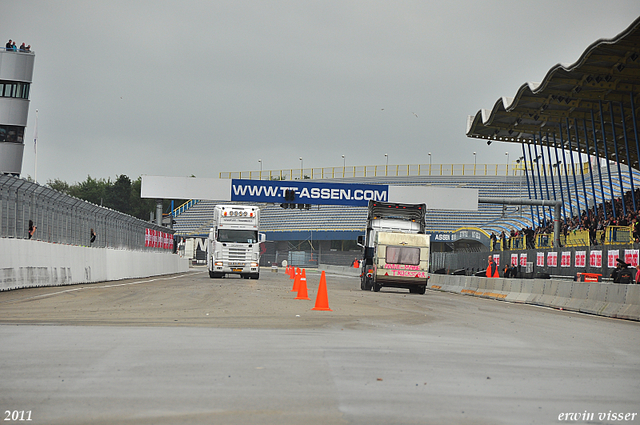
point(592, 220)
point(11, 46)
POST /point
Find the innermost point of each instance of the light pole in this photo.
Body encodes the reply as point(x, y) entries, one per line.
point(344, 166)
point(301, 168)
point(507, 154)
point(429, 163)
point(386, 166)
point(474, 163)
point(260, 162)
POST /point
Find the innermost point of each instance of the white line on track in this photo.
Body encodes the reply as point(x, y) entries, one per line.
point(97, 287)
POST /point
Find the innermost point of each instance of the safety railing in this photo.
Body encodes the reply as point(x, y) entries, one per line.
point(576, 238)
point(60, 218)
point(444, 170)
point(182, 208)
point(612, 235)
point(516, 242)
point(619, 235)
point(544, 240)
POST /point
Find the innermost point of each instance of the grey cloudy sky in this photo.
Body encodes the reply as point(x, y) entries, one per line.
point(198, 87)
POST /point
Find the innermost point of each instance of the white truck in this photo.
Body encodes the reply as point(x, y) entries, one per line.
point(396, 248)
point(233, 245)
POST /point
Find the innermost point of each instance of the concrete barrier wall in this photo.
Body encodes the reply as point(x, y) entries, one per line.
point(603, 299)
point(344, 270)
point(28, 263)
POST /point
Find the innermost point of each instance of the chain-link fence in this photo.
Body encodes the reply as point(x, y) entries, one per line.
point(60, 218)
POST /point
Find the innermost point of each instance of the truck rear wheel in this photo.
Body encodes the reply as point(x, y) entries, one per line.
point(376, 287)
point(365, 283)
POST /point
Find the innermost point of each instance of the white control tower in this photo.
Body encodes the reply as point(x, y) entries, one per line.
point(16, 71)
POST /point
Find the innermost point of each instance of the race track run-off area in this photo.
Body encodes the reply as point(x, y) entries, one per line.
point(190, 349)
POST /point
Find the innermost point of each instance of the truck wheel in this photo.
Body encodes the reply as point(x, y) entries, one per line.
point(214, 275)
point(367, 284)
point(255, 276)
point(422, 290)
point(376, 287)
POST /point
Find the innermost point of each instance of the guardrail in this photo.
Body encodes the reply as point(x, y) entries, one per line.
point(603, 299)
point(444, 170)
point(63, 219)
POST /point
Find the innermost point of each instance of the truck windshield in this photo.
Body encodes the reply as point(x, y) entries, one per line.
point(403, 255)
point(238, 236)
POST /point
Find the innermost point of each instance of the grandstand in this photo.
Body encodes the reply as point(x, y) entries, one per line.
point(332, 222)
point(579, 134)
point(329, 222)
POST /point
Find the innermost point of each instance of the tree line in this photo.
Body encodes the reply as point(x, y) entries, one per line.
point(120, 194)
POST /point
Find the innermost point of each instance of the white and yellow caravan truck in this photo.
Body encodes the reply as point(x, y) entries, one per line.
point(233, 245)
point(396, 248)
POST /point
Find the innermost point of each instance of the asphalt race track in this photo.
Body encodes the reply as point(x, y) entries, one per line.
point(193, 350)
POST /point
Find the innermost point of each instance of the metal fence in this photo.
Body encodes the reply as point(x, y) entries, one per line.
point(60, 218)
point(407, 170)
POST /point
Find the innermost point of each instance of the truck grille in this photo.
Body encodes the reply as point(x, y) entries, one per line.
point(238, 255)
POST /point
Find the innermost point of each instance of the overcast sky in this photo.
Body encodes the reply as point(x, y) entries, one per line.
point(185, 87)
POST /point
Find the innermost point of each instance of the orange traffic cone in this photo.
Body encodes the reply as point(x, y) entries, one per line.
point(296, 281)
point(302, 287)
point(322, 301)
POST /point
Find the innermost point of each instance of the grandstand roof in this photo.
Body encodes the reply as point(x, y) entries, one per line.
point(600, 88)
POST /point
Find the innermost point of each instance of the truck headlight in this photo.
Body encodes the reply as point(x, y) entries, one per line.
point(218, 263)
point(254, 264)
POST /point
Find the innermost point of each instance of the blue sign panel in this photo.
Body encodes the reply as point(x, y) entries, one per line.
point(315, 193)
point(460, 234)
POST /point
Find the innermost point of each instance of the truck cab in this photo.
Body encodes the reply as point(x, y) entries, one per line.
point(233, 245)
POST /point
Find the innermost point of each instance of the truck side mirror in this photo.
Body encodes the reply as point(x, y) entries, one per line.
point(360, 241)
point(262, 237)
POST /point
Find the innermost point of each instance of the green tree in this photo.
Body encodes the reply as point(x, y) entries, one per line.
point(121, 195)
point(140, 207)
point(59, 185)
point(91, 190)
point(118, 195)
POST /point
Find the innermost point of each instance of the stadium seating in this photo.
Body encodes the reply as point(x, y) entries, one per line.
point(196, 220)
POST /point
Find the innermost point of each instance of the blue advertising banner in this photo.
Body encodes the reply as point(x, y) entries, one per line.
point(316, 193)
